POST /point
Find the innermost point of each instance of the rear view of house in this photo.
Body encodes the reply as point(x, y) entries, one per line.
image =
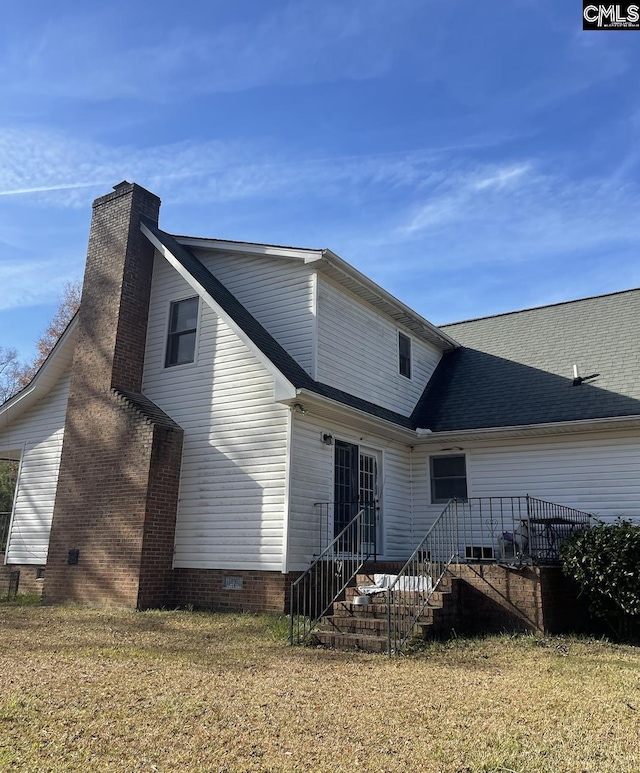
point(219, 411)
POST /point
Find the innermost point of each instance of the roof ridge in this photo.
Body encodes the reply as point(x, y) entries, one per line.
point(540, 307)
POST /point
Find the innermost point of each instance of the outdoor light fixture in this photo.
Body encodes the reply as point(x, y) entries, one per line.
point(327, 439)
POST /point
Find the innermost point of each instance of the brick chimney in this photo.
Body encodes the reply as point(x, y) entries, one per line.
point(114, 518)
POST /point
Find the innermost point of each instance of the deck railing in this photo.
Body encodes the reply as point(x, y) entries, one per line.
point(512, 530)
point(520, 530)
point(315, 591)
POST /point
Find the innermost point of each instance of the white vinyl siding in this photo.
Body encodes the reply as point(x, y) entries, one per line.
point(358, 352)
point(596, 472)
point(232, 489)
point(312, 470)
point(39, 432)
point(278, 292)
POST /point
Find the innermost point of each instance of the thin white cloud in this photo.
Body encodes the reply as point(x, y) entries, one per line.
point(49, 188)
point(46, 165)
point(32, 283)
point(299, 42)
point(518, 213)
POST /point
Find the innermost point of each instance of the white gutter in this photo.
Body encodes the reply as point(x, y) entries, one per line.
point(408, 435)
point(547, 428)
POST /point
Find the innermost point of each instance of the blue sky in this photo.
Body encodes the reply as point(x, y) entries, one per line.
point(472, 158)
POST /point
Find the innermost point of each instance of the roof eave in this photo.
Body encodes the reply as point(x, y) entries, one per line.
point(404, 314)
point(428, 437)
point(40, 383)
point(250, 248)
point(366, 420)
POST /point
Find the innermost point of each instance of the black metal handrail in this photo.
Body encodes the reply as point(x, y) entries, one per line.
point(316, 590)
point(514, 530)
point(420, 577)
point(332, 517)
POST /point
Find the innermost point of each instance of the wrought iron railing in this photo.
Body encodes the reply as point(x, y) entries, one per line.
point(514, 530)
point(316, 590)
point(5, 519)
point(420, 577)
point(517, 530)
point(332, 517)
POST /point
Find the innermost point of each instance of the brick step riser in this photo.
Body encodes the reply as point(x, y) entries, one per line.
point(435, 601)
point(381, 598)
point(351, 641)
point(362, 627)
point(381, 614)
point(363, 580)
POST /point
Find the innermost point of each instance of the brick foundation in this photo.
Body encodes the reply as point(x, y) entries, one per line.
point(29, 583)
point(204, 589)
point(496, 598)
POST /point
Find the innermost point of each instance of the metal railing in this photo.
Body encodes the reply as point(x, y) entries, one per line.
point(316, 590)
point(420, 577)
point(332, 517)
point(5, 519)
point(514, 530)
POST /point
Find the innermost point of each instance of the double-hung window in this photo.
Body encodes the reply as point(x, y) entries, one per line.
point(448, 478)
point(183, 325)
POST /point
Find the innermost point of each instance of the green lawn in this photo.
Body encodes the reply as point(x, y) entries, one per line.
point(84, 690)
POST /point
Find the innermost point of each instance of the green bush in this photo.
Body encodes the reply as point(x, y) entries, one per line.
point(605, 562)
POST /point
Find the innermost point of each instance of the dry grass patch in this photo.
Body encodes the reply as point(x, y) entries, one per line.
point(167, 691)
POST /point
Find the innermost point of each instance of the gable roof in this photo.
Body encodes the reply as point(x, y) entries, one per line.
point(346, 275)
point(57, 362)
point(263, 343)
point(517, 369)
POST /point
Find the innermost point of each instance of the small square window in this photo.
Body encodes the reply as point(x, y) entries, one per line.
point(404, 355)
point(448, 478)
point(183, 324)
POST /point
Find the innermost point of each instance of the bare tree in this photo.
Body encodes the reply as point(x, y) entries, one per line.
point(14, 374)
point(11, 373)
point(69, 304)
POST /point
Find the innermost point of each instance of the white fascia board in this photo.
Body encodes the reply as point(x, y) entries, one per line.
point(44, 379)
point(374, 424)
point(426, 437)
point(283, 387)
point(249, 248)
point(337, 262)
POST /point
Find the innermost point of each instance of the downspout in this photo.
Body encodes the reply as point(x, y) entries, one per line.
point(411, 525)
point(287, 493)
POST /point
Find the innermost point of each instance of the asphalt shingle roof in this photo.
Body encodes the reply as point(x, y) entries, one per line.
point(515, 369)
point(510, 370)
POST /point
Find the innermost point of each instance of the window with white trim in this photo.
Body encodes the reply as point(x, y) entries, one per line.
point(183, 326)
point(448, 478)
